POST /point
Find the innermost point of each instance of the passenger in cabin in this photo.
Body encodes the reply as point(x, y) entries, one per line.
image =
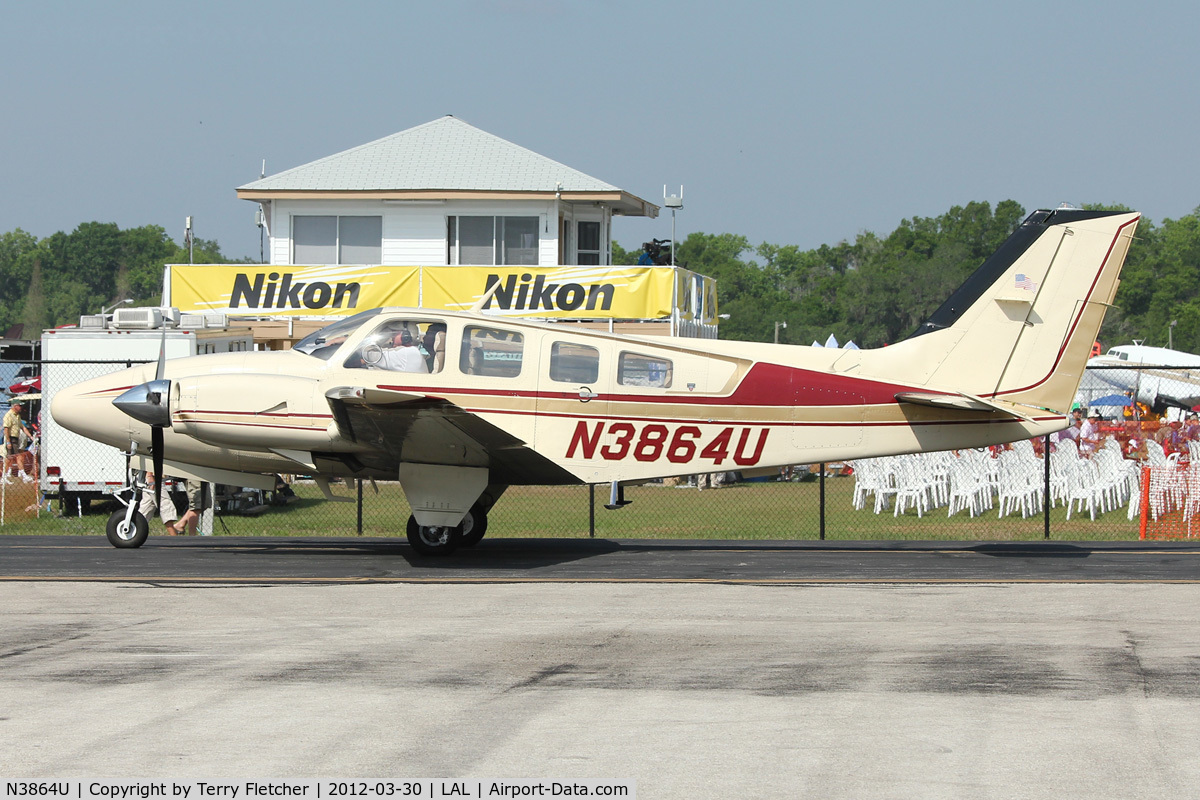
point(434, 342)
point(404, 355)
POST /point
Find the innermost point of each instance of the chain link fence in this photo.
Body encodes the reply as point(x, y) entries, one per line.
point(64, 484)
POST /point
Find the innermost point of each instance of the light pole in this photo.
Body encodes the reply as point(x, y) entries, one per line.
point(673, 202)
point(779, 325)
point(124, 302)
point(1171, 335)
point(188, 238)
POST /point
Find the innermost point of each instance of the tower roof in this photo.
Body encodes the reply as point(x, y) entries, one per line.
point(443, 159)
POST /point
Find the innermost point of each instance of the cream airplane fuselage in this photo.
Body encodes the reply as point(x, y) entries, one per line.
point(515, 402)
point(729, 406)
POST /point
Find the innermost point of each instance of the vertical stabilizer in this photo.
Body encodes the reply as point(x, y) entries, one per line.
point(1021, 328)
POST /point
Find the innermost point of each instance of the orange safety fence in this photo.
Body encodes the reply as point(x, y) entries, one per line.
point(1169, 505)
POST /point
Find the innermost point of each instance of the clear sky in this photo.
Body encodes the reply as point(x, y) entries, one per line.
point(786, 122)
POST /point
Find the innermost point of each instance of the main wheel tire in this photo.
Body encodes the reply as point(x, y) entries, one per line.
point(127, 534)
point(474, 526)
point(433, 540)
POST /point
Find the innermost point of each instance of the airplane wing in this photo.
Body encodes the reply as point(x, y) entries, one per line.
point(414, 428)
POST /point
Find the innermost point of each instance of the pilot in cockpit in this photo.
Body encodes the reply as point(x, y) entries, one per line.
point(404, 355)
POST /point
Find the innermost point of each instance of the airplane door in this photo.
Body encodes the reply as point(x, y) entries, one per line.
point(573, 404)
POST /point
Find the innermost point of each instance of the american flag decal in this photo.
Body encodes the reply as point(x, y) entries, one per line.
point(1023, 282)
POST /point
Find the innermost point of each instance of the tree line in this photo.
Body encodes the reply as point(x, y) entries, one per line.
point(53, 281)
point(874, 290)
point(878, 289)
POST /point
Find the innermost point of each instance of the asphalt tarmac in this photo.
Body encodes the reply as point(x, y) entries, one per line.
point(696, 669)
point(314, 560)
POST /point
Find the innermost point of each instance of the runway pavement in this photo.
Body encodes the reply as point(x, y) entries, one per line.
point(273, 560)
point(699, 670)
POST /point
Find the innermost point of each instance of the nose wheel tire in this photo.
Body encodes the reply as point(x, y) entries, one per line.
point(433, 540)
point(127, 534)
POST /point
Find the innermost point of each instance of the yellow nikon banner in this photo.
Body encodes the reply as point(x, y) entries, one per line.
point(559, 292)
point(286, 290)
point(327, 291)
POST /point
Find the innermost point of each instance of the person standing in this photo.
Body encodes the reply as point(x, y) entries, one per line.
point(14, 426)
point(1072, 431)
point(199, 500)
point(1090, 437)
point(165, 508)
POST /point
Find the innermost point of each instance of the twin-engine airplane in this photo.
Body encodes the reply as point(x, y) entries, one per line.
point(460, 406)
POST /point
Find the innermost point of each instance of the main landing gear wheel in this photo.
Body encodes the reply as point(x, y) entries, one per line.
point(127, 534)
point(433, 540)
point(474, 526)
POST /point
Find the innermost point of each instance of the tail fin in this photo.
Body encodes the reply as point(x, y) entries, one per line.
point(1021, 328)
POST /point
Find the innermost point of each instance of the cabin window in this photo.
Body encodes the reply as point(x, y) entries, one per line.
point(639, 370)
point(589, 243)
point(492, 241)
point(491, 352)
point(574, 363)
point(401, 345)
point(337, 240)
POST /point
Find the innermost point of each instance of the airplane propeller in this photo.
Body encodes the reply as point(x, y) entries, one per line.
point(151, 403)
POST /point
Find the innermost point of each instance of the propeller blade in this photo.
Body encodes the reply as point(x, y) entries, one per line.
point(162, 356)
point(156, 445)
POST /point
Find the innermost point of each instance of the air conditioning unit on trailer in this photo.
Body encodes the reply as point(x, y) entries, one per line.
point(137, 319)
point(203, 320)
point(142, 319)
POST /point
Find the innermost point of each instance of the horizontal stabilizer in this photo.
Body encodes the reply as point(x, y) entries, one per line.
point(961, 402)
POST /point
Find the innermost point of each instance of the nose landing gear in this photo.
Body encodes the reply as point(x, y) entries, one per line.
point(127, 528)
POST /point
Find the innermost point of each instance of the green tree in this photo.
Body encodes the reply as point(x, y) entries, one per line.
point(34, 316)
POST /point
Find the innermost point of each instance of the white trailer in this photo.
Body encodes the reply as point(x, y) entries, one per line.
point(77, 470)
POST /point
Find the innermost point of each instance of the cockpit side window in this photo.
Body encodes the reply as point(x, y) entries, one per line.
point(402, 345)
point(325, 342)
point(491, 352)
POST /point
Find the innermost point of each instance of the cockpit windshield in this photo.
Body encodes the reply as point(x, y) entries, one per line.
point(325, 342)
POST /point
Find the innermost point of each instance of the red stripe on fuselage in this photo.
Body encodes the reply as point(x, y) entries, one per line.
point(765, 384)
